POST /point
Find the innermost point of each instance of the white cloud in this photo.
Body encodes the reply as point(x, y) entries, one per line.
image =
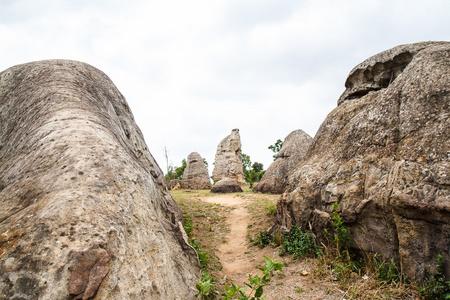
point(193, 70)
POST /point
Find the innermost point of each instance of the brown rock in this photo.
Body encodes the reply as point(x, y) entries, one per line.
point(88, 268)
point(228, 161)
point(295, 146)
point(173, 183)
point(195, 175)
point(226, 185)
point(383, 156)
point(84, 208)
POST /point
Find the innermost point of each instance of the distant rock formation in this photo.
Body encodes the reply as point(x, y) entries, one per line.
point(171, 183)
point(228, 161)
point(295, 146)
point(84, 209)
point(383, 156)
point(226, 185)
point(196, 174)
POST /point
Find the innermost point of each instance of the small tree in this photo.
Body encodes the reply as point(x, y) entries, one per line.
point(252, 172)
point(176, 172)
point(180, 170)
point(276, 148)
point(246, 163)
point(257, 167)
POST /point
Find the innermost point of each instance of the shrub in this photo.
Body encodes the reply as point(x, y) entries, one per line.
point(435, 286)
point(262, 239)
point(299, 243)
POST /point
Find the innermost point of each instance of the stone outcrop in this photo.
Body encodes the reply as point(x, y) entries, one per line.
point(172, 183)
point(226, 185)
point(84, 207)
point(196, 174)
point(294, 148)
point(383, 156)
point(228, 161)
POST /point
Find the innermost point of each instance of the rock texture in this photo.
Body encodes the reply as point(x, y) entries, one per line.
point(383, 156)
point(172, 183)
point(228, 161)
point(226, 185)
point(84, 208)
point(295, 146)
point(196, 174)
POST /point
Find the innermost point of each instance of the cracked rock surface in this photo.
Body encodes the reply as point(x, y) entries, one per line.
point(294, 148)
point(384, 156)
point(84, 208)
point(228, 161)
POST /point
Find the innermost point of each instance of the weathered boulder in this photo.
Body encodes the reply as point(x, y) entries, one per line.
point(196, 174)
point(228, 161)
point(226, 185)
point(84, 207)
point(172, 183)
point(294, 148)
point(383, 156)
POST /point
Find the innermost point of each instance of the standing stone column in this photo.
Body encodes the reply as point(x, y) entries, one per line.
point(196, 173)
point(228, 161)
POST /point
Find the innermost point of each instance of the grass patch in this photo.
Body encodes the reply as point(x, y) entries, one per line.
point(204, 223)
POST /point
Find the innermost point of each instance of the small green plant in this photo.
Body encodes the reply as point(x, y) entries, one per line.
point(299, 290)
point(341, 232)
point(205, 288)
point(435, 287)
point(299, 243)
point(262, 239)
point(271, 210)
point(386, 271)
point(255, 283)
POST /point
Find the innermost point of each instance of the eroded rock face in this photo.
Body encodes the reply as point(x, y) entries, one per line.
point(226, 185)
point(295, 146)
point(228, 161)
point(195, 175)
point(383, 156)
point(84, 208)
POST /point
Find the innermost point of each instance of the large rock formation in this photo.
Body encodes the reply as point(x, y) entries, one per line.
point(196, 174)
point(228, 161)
point(295, 146)
point(226, 185)
point(84, 208)
point(383, 156)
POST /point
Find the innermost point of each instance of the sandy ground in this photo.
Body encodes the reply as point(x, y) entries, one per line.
point(239, 258)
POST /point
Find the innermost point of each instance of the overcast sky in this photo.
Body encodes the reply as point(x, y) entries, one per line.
point(192, 71)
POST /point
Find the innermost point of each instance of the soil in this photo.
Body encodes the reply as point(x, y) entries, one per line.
point(239, 258)
point(224, 226)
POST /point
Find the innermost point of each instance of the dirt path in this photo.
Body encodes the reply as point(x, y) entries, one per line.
point(239, 258)
point(234, 255)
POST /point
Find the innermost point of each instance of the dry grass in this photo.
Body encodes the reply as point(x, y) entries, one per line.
point(208, 219)
point(210, 229)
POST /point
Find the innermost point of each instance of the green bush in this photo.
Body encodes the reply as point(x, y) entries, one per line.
point(262, 239)
point(299, 243)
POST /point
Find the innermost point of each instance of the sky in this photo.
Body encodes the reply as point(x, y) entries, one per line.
point(192, 71)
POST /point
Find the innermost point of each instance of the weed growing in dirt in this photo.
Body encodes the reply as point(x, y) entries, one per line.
point(255, 283)
point(271, 210)
point(299, 243)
